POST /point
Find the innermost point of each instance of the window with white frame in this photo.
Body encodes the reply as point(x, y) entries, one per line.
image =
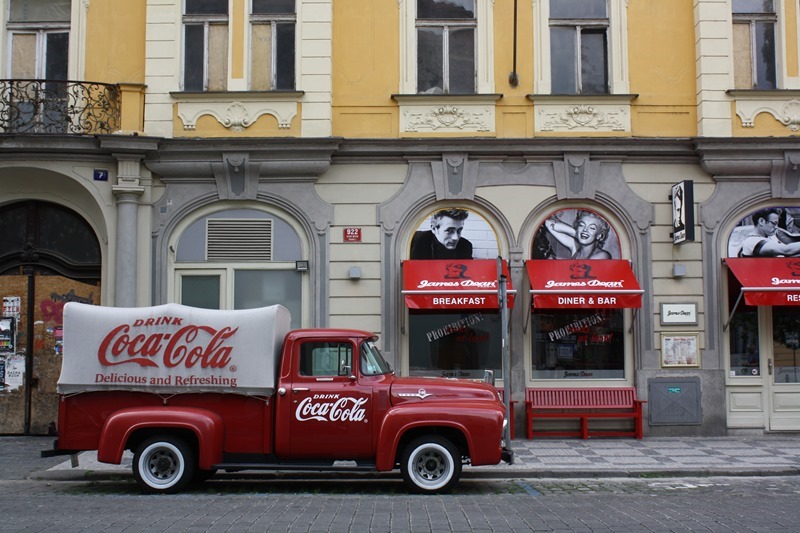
point(39, 38)
point(446, 46)
point(272, 45)
point(579, 46)
point(754, 50)
point(205, 45)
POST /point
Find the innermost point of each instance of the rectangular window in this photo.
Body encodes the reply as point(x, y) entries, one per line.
point(205, 46)
point(754, 44)
point(272, 45)
point(449, 344)
point(579, 46)
point(446, 46)
point(786, 344)
point(326, 359)
point(578, 344)
point(742, 333)
point(201, 291)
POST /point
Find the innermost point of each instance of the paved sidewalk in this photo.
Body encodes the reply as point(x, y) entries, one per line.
point(573, 458)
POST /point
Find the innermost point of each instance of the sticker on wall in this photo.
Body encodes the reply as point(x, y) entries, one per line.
point(769, 232)
point(454, 233)
point(575, 234)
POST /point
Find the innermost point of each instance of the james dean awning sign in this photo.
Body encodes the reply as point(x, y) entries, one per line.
point(453, 284)
point(767, 280)
point(597, 283)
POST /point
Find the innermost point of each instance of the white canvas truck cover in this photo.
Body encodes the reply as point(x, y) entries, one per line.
point(171, 349)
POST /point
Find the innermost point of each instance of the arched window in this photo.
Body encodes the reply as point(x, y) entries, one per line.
point(239, 259)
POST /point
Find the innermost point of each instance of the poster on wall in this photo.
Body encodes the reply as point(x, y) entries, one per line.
point(7, 335)
point(15, 372)
point(769, 232)
point(11, 306)
point(453, 233)
point(575, 234)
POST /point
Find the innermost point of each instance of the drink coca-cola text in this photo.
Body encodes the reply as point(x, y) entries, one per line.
point(346, 409)
point(189, 346)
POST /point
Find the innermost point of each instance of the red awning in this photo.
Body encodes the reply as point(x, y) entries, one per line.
point(582, 284)
point(767, 280)
point(453, 284)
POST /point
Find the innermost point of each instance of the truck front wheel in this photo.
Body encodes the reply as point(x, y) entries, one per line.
point(163, 464)
point(431, 464)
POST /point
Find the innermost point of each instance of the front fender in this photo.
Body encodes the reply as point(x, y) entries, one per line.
point(479, 422)
point(118, 428)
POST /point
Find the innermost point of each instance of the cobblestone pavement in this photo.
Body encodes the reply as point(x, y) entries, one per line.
point(725, 484)
point(608, 504)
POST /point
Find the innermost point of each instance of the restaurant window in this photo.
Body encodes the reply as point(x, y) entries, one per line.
point(450, 288)
point(272, 45)
point(579, 46)
point(455, 344)
point(580, 288)
point(583, 344)
point(754, 48)
point(205, 45)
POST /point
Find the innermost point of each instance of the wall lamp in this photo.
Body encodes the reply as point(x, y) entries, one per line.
point(301, 266)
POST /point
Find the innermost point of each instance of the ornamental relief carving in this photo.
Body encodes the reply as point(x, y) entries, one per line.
point(787, 112)
point(583, 118)
point(236, 116)
point(448, 117)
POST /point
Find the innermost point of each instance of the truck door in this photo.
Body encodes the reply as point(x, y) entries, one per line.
point(331, 410)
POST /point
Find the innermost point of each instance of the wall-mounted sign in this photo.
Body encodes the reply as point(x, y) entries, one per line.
point(352, 235)
point(678, 314)
point(100, 174)
point(682, 212)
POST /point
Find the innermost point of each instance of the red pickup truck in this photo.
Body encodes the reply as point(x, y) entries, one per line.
point(192, 391)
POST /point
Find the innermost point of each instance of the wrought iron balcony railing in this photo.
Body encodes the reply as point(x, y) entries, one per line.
point(59, 107)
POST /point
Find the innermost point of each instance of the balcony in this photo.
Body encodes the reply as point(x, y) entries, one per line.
point(59, 107)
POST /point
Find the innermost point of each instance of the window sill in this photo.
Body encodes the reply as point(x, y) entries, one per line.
point(782, 104)
point(447, 113)
point(583, 113)
point(236, 110)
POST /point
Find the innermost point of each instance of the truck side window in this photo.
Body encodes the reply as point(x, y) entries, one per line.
point(326, 359)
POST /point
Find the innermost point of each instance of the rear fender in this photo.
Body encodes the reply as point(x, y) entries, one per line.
point(121, 425)
point(482, 428)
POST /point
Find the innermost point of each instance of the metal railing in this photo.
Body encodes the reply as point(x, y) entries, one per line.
point(59, 107)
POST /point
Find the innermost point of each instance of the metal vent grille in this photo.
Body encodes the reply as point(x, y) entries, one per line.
point(238, 240)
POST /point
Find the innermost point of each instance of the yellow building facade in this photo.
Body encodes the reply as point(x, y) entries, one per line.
point(313, 153)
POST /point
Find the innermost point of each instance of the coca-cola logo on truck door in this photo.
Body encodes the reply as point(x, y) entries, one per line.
point(331, 408)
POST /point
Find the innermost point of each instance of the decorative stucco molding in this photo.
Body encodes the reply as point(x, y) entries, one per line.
point(583, 118)
point(784, 106)
point(236, 115)
point(447, 114)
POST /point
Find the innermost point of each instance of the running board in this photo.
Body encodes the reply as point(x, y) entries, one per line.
point(350, 466)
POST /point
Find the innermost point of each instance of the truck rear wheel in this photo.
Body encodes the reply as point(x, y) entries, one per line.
point(431, 464)
point(164, 464)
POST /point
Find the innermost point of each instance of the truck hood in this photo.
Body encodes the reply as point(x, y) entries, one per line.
point(440, 389)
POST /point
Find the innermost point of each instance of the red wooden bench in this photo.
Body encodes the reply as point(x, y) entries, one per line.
point(609, 403)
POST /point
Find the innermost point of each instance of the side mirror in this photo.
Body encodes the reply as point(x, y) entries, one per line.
point(488, 377)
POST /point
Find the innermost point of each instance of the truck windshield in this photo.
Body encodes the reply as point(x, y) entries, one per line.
point(372, 362)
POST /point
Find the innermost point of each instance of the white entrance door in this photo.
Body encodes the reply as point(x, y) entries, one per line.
point(783, 369)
